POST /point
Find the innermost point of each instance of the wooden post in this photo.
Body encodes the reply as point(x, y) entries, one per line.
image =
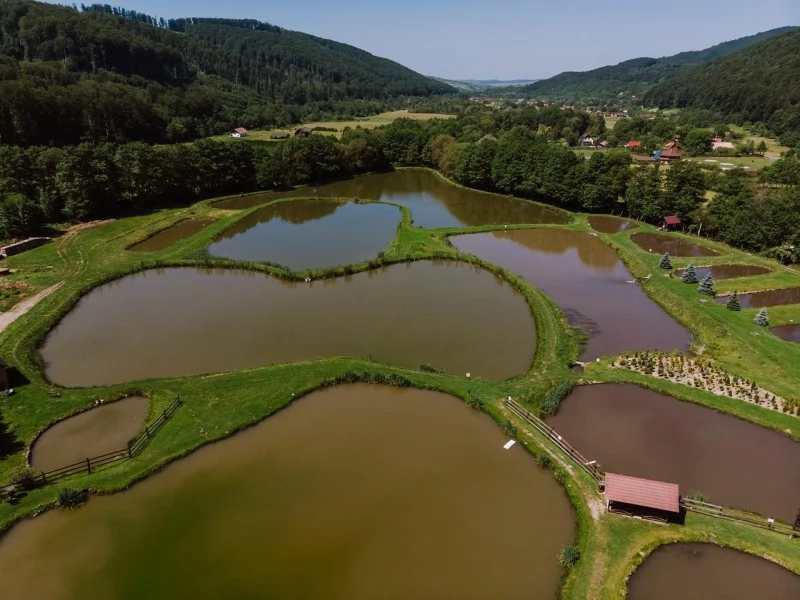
point(147, 431)
point(44, 478)
point(88, 466)
point(130, 452)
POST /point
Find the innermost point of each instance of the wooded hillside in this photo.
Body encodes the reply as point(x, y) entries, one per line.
point(107, 73)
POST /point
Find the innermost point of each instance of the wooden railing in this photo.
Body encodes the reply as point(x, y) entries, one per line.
point(135, 446)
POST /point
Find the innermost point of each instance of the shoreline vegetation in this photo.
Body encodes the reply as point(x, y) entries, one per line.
point(610, 546)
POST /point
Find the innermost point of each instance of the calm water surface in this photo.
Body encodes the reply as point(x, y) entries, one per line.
point(310, 234)
point(175, 322)
point(608, 224)
point(92, 433)
point(767, 298)
point(327, 500)
point(660, 243)
point(588, 281)
point(707, 572)
point(790, 333)
point(638, 432)
point(433, 201)
point(166, 237)
point(727, 271)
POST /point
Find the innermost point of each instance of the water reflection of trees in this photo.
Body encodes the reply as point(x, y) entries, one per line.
point(295, 212)
point(660, 244)
point(590, 250)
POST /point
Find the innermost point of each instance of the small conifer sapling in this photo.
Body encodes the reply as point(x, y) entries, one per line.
point(665, 263)
point(689, 274)
point(762, 318)
point(733, 302)
point(707, 286)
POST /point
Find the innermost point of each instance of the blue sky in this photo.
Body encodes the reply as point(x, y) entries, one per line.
point(504, 39)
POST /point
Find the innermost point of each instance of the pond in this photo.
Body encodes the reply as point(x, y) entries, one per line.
point(310, 234)
point(638, 432)
point(707, 571)
point(166, 237)
point(607, 224)
point(326, 499)
point(433, 201)
point(767, 298)
point(174, 322)
point(91, 433)
point(790, 333)
point(659, 244)
point(727, 271)
point(588, 281)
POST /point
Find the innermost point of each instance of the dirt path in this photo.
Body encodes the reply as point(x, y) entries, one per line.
point(20, 309)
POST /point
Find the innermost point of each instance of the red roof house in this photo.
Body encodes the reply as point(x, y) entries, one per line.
point(670, 222)
point(239, 132)
point(633, 144)
point(670, 155)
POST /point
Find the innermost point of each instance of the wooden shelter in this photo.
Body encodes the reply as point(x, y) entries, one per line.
point(644, 498)
point(302, 132)
point(670, 222)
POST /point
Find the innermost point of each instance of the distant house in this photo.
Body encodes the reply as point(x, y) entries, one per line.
point(670, 222)
point(239, 132)
point(633, 144)
point(303, 132)
point(720, 145)
point(586, 140)
point(604, 144)
point(279, 136)
point(670, 155)
point(673, 145)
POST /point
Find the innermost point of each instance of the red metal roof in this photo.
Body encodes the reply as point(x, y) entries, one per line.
point(672, 220)
point(240, 130)
point(670, 153)
point(633, 144)
point(643, 492)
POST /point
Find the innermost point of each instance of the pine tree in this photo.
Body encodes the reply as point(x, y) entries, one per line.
point(666, 263)
point(762, 319)
point(707, 286)
point(733, 302)
point(689, 274)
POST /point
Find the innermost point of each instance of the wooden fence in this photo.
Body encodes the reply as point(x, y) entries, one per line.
point(722, 512)
point(135, 446)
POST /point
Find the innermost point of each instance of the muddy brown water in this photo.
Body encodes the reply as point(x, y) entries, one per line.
point(588, 281)
point(638, 432)
point(767, 298)
point(310, 234)
point(432, 200)
point(727, 271)
point(326, 499)
point(92, 433)
point(707, 571)
point(166, 237)
point(790, 333)
point(175, 322)
point(608, 224)
point(659, 244)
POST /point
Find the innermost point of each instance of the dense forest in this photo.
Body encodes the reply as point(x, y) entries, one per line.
point(108, 74)
point(636, 76)
point(758, 84)
point(517, 151)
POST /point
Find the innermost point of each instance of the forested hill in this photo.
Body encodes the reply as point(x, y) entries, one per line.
point(105, 73)
point(759, 83)
point(635, 76)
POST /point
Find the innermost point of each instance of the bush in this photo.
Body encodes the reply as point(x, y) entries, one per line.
point(555, 395)
point(474, 402)
point(707, 286)
point(544, 461)
point(508, 428)
point(698, 496)
point(689, 274)
point(665, 263)
point(25, 477)
point(569, 556)
point(762, 318)
point(560, 475)
point(72, 498)
point(429, 368)
point(733, 302)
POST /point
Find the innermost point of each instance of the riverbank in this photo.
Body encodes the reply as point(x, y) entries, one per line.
point(219, 405)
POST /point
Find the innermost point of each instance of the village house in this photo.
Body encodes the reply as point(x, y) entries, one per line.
point(302, 132)
point(668, 156)
point(670, 222)
point(586, 140)
point(673, 145)
point(239, 132)
point(633, 144)
point(718, 144)
point(279, 136)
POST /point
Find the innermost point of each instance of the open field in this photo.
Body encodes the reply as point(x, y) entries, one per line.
point(365, 123)
point(612, 121)
point(774, 147)
point(754, 162)
point(219, 405)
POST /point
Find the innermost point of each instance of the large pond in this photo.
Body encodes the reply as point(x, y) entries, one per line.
point(659, 243)
point(166, 237)
point(638, 432)
point(767, 298)
point(433, 201)
point(706, 571)
point(310, 234)
point(356, 492)
point(92, 433)
point(728, 271)
point(790, 333)
point(588, 281)
point(174, 322)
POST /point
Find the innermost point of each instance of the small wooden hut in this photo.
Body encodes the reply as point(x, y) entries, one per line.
point(644, 498)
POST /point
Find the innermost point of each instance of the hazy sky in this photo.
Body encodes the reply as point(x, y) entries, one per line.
point(503, 39)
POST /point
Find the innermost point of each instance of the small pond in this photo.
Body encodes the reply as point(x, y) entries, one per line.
point(659, 244)
point(767, 298)
point(356, 492)
point(608, 224)
point(174, 322)
point(790, 333)
point(727, 271)
point(433, 201)
point(166, 237)
point(91, 433)
point(310, 234)
point(588, 281)
point(638, 432)
point(706, 572)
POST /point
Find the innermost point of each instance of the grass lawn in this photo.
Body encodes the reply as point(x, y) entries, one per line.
point(754, 162)
point(218, 405)
point(774, 147)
